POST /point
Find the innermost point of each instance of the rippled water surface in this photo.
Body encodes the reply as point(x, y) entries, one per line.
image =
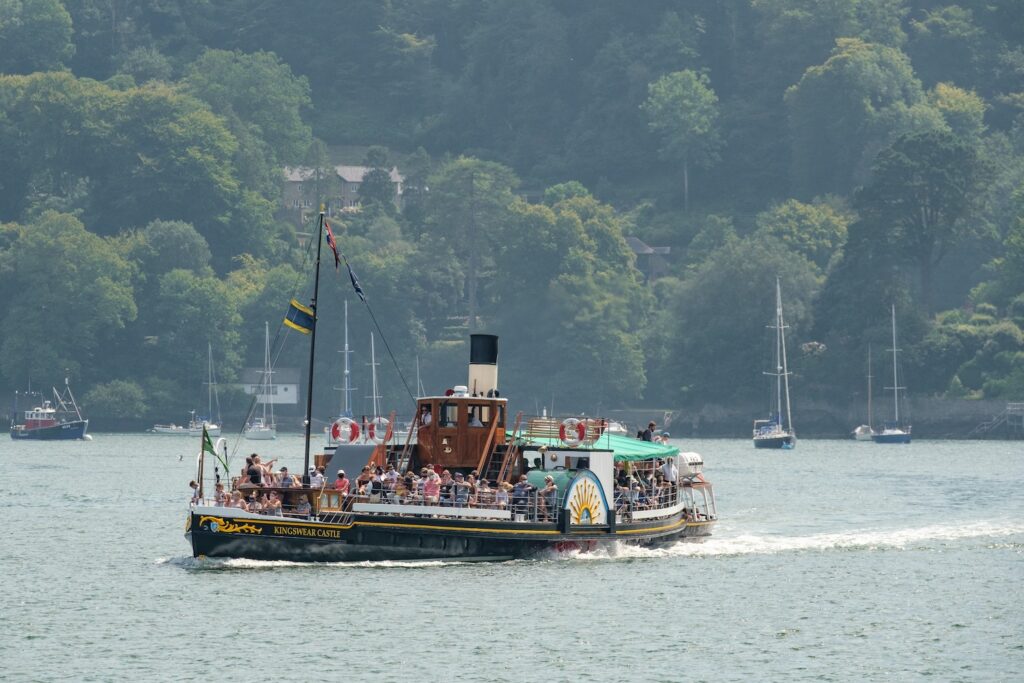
point(836, 561)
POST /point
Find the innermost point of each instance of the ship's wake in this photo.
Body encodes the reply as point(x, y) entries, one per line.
point(725, 544)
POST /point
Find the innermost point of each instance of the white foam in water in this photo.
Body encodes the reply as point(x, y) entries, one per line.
point(749, 544)
point(715, 546)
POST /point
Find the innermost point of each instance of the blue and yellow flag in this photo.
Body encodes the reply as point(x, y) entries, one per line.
point(300, 318)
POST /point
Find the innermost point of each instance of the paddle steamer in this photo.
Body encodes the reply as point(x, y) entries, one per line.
point(602, 489)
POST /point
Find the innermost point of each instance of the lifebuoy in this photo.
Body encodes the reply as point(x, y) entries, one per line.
point(345, 430)
point(377, 429)
point(572, 431)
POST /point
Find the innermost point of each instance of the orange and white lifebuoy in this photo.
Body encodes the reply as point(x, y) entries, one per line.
point(345, 430)
point(377, 430)
point(572, 431)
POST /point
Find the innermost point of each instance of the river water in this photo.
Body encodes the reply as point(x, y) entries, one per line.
point(836, 561)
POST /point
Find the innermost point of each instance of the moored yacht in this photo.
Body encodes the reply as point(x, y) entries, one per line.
point(777, 431)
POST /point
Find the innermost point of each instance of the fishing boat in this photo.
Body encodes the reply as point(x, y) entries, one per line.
point(263, 428)
point(774, 432)
point(196, 424)
point(573, 485)
point(865, 432)
point(894, 431)
point(57, 420)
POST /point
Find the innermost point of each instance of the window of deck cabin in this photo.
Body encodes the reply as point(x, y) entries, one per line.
point(449, 415)
point(481, 412)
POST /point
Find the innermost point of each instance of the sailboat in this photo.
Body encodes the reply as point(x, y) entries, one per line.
point(865, 432)
point(196, 424)
point(263, 428)
point(894, 432)
point(773, 433)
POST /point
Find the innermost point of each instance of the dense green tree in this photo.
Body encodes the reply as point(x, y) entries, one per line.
point(35, 34)
point(467, 213)
point(923, 188)
point(683, 111)
point(815, 230)
point(844, 111)
point(116, 398)
point(57, 276)
point(721, 312)
point(963, 111)
point(946, 45)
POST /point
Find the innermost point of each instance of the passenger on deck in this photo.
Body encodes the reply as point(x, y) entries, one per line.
point(484, 495)
point(501, 495)
point(521, 495)
point(316, 478)
point(461, 490)
point(474, 421)
point(195, 491)
point(252, 503)
point(446, 487)
point(273, 507)
point(670, 471)
point(287, 480)
point(426, 418)
point(648, 434)
point(237, 501)
point(253, 472)
point(220, 496)
point(302, 508)
point(342, 483)
point(548, 498)
point(431, 488)
point(363, 479)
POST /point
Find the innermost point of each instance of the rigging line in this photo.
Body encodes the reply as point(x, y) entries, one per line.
point(383, 338)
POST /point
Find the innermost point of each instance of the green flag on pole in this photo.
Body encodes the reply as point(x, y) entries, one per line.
point(208, 448)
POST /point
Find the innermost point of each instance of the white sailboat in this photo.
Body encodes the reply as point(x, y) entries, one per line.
point(865, 432)
point(196, 424)
point(263, 428)
point(894, 432)
point(773, 433)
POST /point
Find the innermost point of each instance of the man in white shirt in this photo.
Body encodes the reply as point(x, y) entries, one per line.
point(670, 471)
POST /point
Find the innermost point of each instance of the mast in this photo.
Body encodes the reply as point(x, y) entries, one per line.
point(895, 381)
point(267, 381)
point(869, 387)
point(209, 380)
point(419, 383)
point(782, 338)
point(778, 351)
point(374, 396)
point(312, 351)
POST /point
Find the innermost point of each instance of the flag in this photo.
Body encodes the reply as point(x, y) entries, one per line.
point(300, 318)
point(208, 448)
point(355, 282)
point(332, 244)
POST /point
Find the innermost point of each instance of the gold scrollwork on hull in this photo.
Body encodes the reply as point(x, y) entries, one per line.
point(220, 525)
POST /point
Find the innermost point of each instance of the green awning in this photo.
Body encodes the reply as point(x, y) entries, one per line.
point(625, 447)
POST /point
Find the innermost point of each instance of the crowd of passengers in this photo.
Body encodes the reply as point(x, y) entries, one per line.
point(637, 486)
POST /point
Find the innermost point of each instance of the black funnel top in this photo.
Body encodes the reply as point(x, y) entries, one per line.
point(483, 349)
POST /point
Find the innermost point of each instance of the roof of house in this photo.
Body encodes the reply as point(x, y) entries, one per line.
point(350, 174)
point(279, 376)
point(639, 247)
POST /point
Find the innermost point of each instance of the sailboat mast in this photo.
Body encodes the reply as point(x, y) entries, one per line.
point(209, 380)
point(778, 352)
point(266, 376)
point(895, 381)
point(347, 407)
point(374, 398)
point(785, 366)
point(312, 350)
point(869, 387)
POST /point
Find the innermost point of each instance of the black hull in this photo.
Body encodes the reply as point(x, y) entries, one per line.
point(66, 431)
point(786, 441)
point(379, 538)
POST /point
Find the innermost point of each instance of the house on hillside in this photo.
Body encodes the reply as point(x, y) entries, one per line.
point(302, 186)
point(283, 392)
point(650, 261)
